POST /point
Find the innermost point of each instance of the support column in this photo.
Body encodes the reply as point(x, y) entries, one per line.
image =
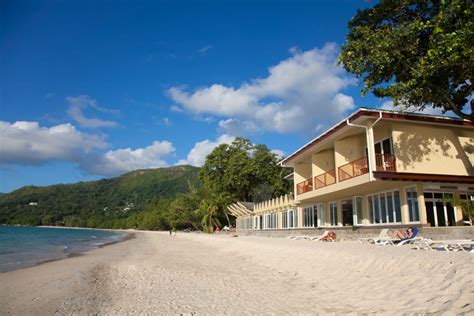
point(339, 213)
point(404, 206)
point(371, 151)
point(365, 210)
point(421, 204)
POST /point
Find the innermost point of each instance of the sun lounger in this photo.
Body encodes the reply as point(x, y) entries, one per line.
point(372, 240)
point(400, 242)
point(447, 245)
point(312, 238)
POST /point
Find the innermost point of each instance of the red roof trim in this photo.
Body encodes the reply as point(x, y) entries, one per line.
point(405, 176)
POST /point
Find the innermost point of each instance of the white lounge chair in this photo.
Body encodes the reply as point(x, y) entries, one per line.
point(372, 240)
point(447, 245)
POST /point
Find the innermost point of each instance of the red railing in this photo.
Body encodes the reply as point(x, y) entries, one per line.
point(385, 163)
point(325, 179)
point(360, 166)
point(353, 169)
point(304, 186)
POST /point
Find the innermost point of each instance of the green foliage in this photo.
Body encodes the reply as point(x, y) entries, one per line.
point(420, 53)
point(234, 171)
point(107, 203)
point(155, 199)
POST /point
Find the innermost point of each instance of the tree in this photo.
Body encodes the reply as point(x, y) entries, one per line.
point(234, 171)
point(419, 53)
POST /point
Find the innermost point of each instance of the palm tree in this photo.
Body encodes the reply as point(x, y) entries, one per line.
point(210, 219)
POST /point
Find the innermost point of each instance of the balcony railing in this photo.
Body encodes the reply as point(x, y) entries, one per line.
point(304, 186)
point(360, 166)
point(325, 179)
point(385, 162)
point(353, 169)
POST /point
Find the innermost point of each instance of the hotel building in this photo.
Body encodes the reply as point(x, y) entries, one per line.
point(375, 168)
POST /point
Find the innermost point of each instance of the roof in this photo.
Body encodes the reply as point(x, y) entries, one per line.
point(384, 114)
point(241, 209)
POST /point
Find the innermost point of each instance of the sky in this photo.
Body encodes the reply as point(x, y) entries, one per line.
point(94, 89)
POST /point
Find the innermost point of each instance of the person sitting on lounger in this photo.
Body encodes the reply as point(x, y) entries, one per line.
point(408, 234)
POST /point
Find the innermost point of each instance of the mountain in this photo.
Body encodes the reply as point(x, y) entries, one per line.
point(95, 203)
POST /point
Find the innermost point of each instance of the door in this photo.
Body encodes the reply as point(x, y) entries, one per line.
point(440, 213)
point(430, 216)
point(347, 213)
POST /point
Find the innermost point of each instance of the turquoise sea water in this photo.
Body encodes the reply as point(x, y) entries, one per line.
point(27, 246)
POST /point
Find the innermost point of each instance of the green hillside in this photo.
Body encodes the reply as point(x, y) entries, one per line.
point(95, 203)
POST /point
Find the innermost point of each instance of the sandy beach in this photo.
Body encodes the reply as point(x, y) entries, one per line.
point(201, 274)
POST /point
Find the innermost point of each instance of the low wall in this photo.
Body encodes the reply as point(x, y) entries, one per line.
point(353, 233)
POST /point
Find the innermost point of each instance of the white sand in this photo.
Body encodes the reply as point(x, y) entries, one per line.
point(190, 273)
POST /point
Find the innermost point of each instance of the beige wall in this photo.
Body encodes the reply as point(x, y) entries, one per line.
point(349, 149)
point(323, 162)
point(302, 172)
point(433, 149)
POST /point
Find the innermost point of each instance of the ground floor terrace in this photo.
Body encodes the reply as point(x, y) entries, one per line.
point(375, 204)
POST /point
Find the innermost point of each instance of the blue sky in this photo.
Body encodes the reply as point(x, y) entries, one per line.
point(93, 89)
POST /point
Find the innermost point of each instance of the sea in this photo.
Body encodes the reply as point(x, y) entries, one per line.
point(22, 247)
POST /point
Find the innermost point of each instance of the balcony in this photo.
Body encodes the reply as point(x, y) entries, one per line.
point(304, 186)
point(325, 179)
point(360, 166)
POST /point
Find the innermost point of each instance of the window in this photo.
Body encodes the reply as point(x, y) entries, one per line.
point(358, 210)
point(412, 199)
point(322, 215)
point(290, 218)
point(333, 213)
point(385, 208)
point(270, 221)
point(310, 216)
point(384, 147)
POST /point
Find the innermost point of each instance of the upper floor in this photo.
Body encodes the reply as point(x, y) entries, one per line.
point(372, 143)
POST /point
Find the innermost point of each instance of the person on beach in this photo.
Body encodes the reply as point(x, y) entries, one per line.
point(171, 231)
point(398, 234)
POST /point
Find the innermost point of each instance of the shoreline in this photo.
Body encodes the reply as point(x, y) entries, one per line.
point(90, 247)
point(155, 273)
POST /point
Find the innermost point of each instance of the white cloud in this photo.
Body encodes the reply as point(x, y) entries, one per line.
point(204, 49)
point(28, 143)
point(280, 153)
point(388, 105)
point(77, 106)
point(115, 162)
point(301, 91)
point(237, 127)
point(197, 155)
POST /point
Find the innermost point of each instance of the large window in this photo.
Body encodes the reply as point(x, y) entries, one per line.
point(358, 210)
point(333, 213)
point(290, 218)
point(385, 208)
point(310, 216)
point(412, 199)
point(244, 223)
point(270, 221)
point(322, 215)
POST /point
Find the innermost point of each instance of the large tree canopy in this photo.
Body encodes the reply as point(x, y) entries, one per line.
point(243, 171)
point(418, 52)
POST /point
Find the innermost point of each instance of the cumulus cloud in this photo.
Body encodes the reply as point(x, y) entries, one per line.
point(280, 153)
point(388, 105)
point(115, 162)
point(77, 106)
point(197, 155)
point(300, 92)
point(29, 144)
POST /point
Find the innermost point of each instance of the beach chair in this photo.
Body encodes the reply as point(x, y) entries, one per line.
point(326, 236)
point(400, 242)
point(446, 245)
point(372, 240)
